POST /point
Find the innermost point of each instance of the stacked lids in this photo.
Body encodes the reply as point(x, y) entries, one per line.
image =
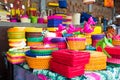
point(97, 61)
point(16, 37)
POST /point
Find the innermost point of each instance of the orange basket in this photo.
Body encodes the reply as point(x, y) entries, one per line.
point(88, 39)
point(34, 43)
point(38, 62)
point(75, 43)
point(116, 42)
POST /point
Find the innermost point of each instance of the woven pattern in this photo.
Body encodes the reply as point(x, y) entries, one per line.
point(97, 61)
point(76, 43)
point(38, 63)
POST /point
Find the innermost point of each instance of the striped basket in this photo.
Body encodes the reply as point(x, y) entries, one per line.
point(75, 43)
point(41, 62)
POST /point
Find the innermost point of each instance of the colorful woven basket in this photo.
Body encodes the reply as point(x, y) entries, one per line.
point(76, 43)
point(41, 62)
point(42, 49)
point(16, 56)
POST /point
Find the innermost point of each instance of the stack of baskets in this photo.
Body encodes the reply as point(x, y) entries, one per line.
point(16, 56)
point(116, 40)
point(54, 21)
point(69, 63)
point(60, 41)
point(34, 36)
point(97, 61)
point(16, 37)
point(76, 43)
point(39, 56)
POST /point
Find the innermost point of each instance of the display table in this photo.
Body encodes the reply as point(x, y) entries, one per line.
point(111, 73)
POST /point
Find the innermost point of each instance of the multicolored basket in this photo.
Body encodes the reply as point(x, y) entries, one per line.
point(41, 62)
point(16, 56)
point(43, 49)
point(75, 43)
point(96, 38)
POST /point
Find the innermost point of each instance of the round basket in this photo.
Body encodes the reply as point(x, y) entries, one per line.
point(76, 43)
point(28, 53)
point(43, 50)
point(38, 62)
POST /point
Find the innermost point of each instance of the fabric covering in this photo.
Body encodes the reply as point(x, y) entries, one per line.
point(111, 73)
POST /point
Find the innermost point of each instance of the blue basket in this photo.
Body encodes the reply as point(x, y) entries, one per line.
point(54, 22)
point(62, 3)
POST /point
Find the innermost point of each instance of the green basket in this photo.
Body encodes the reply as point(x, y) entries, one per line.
point(43, 51)
point(35, 39)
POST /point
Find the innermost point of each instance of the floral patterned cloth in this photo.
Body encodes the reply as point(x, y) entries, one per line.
point(111, 73)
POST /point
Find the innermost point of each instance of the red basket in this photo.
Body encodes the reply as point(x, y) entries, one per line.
point(66, 71)
point(71, 57)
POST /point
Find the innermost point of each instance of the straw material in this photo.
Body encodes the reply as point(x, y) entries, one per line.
point(97, 61)
point(95, 67)
point(88, 39)
point(38, 63)
point(116, 42)
point(76, 43)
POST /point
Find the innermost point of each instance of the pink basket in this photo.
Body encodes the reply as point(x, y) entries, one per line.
point(113, 60)
point(66, 71)
point(71, 57)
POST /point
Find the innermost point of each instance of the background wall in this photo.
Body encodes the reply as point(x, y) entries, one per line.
point(78, 6)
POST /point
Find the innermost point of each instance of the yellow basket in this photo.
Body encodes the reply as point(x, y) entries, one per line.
point(97, 61)
point(38, 62)
point(88, 39)
point(76, 43)
point(95, 67)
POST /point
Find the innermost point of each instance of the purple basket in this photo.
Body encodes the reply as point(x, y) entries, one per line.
point(98, 36)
